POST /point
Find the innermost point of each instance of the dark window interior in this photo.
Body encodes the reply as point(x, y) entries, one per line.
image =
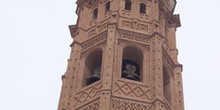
point(142, 8)
point(92, 69)
point(132, 64)
point(107, 6)
point(130, 70)
point(95, 13)
point(127, 5)
point(166, 85)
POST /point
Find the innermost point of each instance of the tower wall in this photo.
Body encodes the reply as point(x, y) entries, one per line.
point(130, 37)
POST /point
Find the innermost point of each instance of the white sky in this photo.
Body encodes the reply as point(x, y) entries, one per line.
point(34, 48)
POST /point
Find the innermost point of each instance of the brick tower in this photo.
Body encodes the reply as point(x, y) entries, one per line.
point(123, 57)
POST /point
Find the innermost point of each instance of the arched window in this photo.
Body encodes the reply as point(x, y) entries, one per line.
point(132, 64)
point(166, 85)
point(142, 8)
point(92, 69)
point(95, 13)
point(107, 6)
point(128, 5)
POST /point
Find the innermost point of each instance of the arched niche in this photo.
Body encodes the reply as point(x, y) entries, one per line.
point(142, 8)
point(132, 63)
point(92, 67)
point(95, 14)
point(167, 85)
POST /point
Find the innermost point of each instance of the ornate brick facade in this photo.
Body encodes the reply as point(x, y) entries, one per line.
point(123, 57)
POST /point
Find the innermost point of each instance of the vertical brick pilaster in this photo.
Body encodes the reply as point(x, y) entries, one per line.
point(69, 79)
point(108, 68)
point(178, 102)
point(156, 69)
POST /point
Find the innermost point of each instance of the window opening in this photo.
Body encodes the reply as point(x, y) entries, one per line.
point(92, 69)
point(127, 5)
point(132, 64)
point(166, 85)
point(107, 6)
point(95, 13)
point(142, 8)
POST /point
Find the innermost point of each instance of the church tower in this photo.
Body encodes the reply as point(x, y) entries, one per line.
point(123, 57)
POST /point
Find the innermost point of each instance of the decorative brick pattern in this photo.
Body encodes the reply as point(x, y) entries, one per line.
point(127, 24)
point(91, 2)
point(92, 32)
point(161, 106)
point(120, 41)
point(132, 90)
point(134, 25)
point(94, 41)
point(118, 104)
point(87, 94)
point(167, 58)
point(132, 37)
point(142, 31)
point(93, 106)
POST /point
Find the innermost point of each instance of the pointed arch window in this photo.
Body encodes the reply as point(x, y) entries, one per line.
point(142, 8)
point(128, 5)
point(107, 6)
point(132, 64)
point(166, 85)
point(92, 69)
point(95, 13)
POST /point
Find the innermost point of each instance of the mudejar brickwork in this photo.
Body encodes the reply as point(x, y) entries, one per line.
point(123, 57)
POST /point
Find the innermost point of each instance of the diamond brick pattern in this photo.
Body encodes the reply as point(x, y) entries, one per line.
point(118, 104)
point(88, 93)
point(93, 106)
point(132, 90)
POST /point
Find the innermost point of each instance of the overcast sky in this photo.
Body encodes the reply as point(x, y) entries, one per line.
point(34, 48)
